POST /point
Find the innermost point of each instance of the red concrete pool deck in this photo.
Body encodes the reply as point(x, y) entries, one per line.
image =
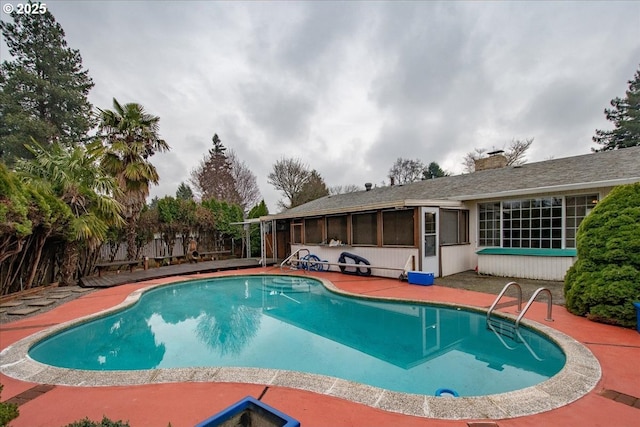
point(185, 404)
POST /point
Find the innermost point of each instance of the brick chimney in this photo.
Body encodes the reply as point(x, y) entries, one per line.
point(496, 160)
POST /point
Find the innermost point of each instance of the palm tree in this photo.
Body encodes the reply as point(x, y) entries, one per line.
point(132, 136)
point(74, 176)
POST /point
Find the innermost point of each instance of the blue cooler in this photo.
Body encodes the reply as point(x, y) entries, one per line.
point(420, 278)
point(637, 306)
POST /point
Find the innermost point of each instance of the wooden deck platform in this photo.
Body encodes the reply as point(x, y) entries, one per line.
point(109, 280)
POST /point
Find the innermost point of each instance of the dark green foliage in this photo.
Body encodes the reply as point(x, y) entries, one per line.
point(43, 89)
point(14, 205)
point(314, 188)
point(224, 214)
point(256, 212)
point(605, 281)
point(625, 116)
point(106, 422)
point(8, 411)
point(29, 215)
point(184, 192)
point(433, 171)
point(171, 219)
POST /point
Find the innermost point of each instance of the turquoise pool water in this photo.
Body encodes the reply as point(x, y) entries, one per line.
point(296, 324)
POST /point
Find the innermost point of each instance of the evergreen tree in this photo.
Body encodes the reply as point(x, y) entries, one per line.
point(43, 89)
point(313, 189)
point(605, 280)
point(433, 171)
point(213, 177)
point(184, 192)
point(256, 212)
point(625, 116)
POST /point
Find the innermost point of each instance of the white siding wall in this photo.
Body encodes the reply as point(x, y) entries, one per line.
point(526, 267)
point(456, 259)
point(381, 257)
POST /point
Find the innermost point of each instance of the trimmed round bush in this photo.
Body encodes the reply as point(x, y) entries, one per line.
point(605, 281)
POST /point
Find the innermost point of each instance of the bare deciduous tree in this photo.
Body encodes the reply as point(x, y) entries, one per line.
point(344, 189)
point(405, 171)
point(289, 176)
point(245, 182)
point(298, 183)
point(515, 154)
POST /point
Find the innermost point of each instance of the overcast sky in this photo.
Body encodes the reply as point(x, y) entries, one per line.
point(348, 87)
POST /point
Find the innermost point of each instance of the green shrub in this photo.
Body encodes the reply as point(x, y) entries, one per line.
point(605, 281)
point(106, 422)
point(8, 411)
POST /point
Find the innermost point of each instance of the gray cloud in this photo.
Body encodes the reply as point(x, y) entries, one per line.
point(348, 87)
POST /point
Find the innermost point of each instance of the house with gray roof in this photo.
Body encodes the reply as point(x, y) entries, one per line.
point(518, 221)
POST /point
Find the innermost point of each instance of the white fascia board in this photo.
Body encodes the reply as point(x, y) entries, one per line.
point(437, 203)
point(399, 204)
point(592, 185)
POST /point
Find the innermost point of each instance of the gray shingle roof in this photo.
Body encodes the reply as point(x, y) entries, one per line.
point(593, 170)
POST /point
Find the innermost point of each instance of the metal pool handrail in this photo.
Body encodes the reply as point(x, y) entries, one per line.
point(507, 286)
point(290, 257)
point(533, 297)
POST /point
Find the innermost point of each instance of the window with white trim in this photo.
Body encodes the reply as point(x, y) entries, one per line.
point(533, 223)
point(489, 224)
point(576, 209)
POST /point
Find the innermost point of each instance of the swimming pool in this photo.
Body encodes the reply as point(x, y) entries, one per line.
point(296, 324)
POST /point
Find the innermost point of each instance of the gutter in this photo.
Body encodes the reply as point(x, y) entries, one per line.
point(399, 204)
point(591, 185)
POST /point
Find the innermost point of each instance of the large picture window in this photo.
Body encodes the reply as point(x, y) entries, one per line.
point(397, 228)
point(365, 228)
point(454, 227)
point(533, 223)
point(337, 228)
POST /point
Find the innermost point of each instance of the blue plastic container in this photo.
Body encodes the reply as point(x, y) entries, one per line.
point(420, 278)
point(250, 411)
point(637, 305)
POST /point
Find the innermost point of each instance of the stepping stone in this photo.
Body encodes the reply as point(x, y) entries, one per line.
point(81, 290)
point(11, 304)
point(41, 303)
point(32, 297)
point(22, 311)
point(59, 296)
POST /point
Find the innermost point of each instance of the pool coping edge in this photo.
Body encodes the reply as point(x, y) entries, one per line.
point(578, 377)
